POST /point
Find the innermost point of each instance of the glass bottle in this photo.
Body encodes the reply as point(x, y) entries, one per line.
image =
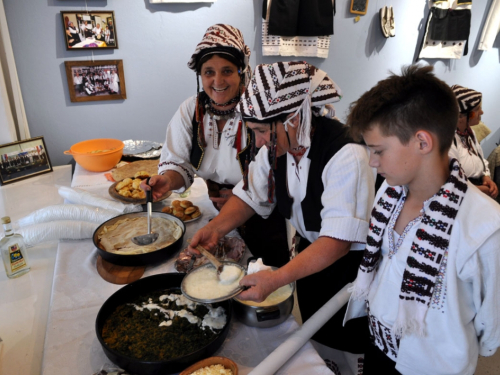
point(15, 258)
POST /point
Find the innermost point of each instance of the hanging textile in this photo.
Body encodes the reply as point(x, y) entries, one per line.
point(491, 27)
point(297, 27)
point(447, 31)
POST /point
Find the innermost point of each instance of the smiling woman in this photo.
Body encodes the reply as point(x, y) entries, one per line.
point(208, 137)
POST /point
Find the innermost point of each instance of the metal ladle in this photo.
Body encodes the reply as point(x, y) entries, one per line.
point(147, 239)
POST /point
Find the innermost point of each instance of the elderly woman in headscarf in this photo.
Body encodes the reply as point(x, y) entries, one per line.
point(207, 136)
point(317, 177)
point(465, 147)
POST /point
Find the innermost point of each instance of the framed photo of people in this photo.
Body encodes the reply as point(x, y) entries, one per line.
point(95, 80)
point(89, 30)
point(23, 159)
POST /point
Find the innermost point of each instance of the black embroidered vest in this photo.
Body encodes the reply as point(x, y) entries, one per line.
point(329, 137)
point(197, 151)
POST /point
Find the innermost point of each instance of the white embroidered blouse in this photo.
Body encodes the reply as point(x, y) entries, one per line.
point(219, 165)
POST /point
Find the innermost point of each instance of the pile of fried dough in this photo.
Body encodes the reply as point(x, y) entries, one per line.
point(130, 187)
point(184, 210)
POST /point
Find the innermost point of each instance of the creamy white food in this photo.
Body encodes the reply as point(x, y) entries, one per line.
point(279, 295)
point(204, 283)
point(116, 237)
point(214, 319)
point(229, 274)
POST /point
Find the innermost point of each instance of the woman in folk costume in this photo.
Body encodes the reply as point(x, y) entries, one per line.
point(207, 136)
point(317, 177)
point(465, 147)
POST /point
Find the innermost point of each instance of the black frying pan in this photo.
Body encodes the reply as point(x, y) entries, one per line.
point(140, 259)
point(140, 287)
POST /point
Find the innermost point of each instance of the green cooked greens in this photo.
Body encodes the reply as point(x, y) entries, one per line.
point(138, 334)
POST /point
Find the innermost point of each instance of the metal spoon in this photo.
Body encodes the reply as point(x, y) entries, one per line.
point(147, 239)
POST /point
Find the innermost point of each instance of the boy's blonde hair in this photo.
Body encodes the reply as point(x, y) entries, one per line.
point(402, 105)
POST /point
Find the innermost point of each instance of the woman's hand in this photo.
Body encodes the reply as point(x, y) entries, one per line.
point(205, 237)
point(491, 186)
point(160, 183)
point(224, 197)
point(261, 285)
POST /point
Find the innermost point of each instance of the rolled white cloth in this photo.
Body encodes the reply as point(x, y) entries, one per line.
point(79, 196)
point(68, 212)
point(287, 349)
point(57, 230)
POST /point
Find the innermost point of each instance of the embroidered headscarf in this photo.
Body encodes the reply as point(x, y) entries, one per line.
point(467, 100)
point(290, 87)
point(423, 274)
point(222, 39)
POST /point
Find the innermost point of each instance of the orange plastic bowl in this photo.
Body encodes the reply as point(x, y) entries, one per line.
point(97, 155)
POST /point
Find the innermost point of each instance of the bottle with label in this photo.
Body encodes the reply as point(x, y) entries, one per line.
point(15, 258)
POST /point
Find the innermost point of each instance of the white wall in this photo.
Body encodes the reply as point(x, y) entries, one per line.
point(157, 40)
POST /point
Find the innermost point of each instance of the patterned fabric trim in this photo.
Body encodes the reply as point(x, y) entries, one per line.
point(424, 262)
point(186, 171)
point(383, 337)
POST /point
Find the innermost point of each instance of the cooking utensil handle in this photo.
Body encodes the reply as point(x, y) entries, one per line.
point(218, 265)
point(149, 205)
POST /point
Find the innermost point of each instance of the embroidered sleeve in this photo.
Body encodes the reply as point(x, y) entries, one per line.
point(177, 147)
point(348, 196)
point(256, 195)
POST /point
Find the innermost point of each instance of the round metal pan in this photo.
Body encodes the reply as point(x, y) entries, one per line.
point(157, 256)
point(232, 294)
point(128, 293)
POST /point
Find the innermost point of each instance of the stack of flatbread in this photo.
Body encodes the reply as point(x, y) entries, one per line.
point(129, 170)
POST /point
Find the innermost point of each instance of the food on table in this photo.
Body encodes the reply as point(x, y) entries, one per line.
point(229, 274)
point(130, 187)
point(116, 237)
point(205, 284)
point(278, 296)
point(184, 210)
point(130, 169)
point(162, 325)
point(213, 370)
point(229, 248)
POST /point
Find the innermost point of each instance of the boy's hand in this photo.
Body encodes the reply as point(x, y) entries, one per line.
point(492, 187)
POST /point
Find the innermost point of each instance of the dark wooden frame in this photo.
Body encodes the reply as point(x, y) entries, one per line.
point(84, 64)
point(89, 13)
point(355, 4)
point(4, 172)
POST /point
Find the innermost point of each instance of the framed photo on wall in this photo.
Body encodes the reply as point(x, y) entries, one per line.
point(95, 80)
point(90, 30)
point(23, 159)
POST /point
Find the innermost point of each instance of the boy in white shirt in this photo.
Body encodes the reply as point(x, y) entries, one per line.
point(429, 279)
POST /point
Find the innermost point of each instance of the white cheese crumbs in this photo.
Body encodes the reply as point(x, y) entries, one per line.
point(213, 370)
point(214, 318)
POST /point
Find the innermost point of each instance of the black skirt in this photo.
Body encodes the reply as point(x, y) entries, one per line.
point(317, 289)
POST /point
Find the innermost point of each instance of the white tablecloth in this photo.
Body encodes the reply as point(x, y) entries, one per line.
point(71, 345)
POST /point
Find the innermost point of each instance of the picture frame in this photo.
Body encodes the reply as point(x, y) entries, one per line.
point(23, 159)
point(359, 6)
point(95, 80)
point(89, 30)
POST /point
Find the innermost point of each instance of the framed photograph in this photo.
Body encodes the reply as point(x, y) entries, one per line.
point(90, 30)
point(95, 80)
point(23, 159)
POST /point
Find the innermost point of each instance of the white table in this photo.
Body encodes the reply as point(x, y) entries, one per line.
point(78, 292)
point(24, 301)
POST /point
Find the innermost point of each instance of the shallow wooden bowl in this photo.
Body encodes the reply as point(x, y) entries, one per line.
point(226, 362)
